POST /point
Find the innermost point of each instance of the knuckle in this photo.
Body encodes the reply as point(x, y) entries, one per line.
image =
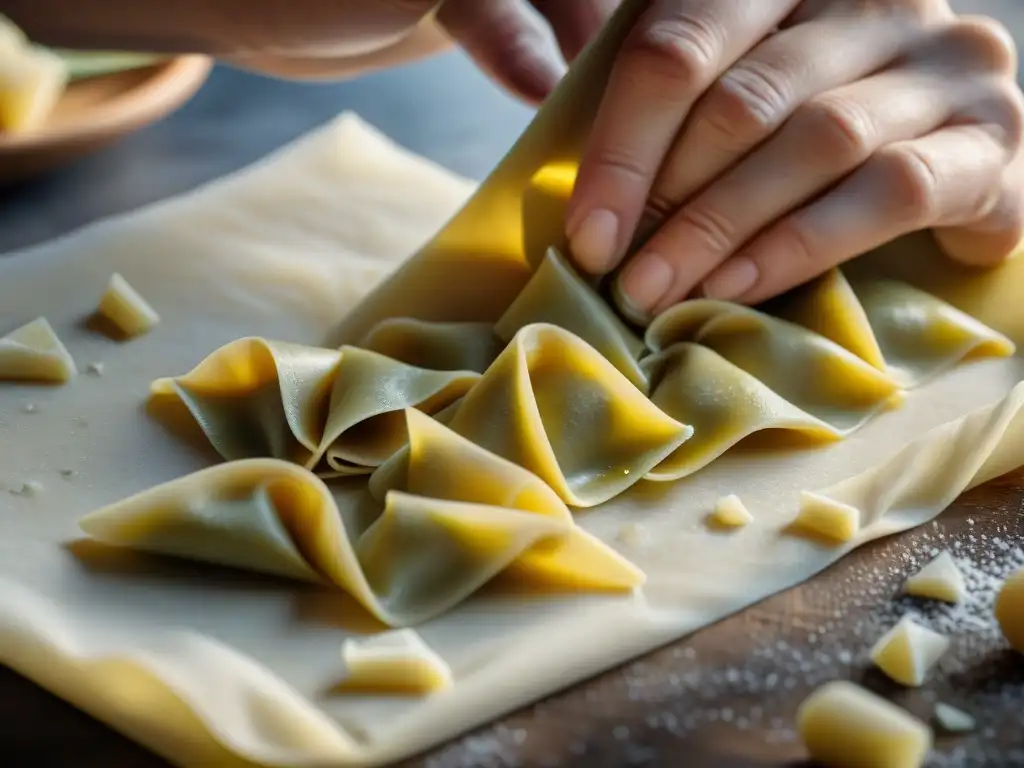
point(1008, 102)
point(998, 107)
point(623, 163)
point(911, 183)
point(921, 10)
point(839, 130)
point(792, 239)
point(984, 42)
point(680, 51)
point(711, 226)
point(747, 103)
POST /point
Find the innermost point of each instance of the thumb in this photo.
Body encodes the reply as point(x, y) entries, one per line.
point(509, 40)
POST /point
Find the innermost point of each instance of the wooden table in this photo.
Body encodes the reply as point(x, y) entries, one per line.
point(722, 698)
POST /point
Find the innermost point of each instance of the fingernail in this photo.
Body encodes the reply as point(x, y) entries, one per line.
point(732, 280)
point(594, 241)
point(645, 283)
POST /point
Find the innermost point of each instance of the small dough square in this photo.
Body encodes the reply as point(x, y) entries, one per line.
point(123, 306)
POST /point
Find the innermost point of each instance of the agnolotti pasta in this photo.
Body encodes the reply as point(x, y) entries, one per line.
point(554, 405)
point(557, 295)
point(453, 517)
point(437, 346)
point(334, 412)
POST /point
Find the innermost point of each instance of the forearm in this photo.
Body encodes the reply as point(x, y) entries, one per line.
point(144, 25)
point(327, 28)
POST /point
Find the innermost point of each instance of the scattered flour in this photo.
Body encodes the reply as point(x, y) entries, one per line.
point(683, 690)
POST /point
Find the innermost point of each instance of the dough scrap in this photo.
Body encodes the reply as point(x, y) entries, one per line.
point(334, 412)
point(557, 295)
point(437, 346)
point(731, 512)
point(821, 516)
point(125, 307)
point(441, 535)
point(953, 720)
point(394, 662)
point(908, 652)
point(940, 579)
point(33, 352)
point(845, 726)
point(552, 404)
point(1009, 610)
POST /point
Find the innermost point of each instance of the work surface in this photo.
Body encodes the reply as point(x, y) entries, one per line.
point(724, 697)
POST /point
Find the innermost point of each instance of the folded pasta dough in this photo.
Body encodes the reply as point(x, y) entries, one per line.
point(829, 307)
point(255, 398)
point(365, 423)
point(336, 412)
point(921, 336)
point(556, 294)
point(806, 369)
point(723, 403)
point(891, 325)
point(437, 346)
point(552, 404)
point(33, 352)
point(440, 537)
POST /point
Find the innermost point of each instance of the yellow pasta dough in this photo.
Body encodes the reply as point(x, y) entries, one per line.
point(908, 652)
point(34, 353)
point(126, 309)
point(437, 346)
point(845, 726)
point(335, 412)
point(940, 579)
point(394, 662)
point(553, 404)
point(1009, 608)
point(453, 517)
point(557, 295)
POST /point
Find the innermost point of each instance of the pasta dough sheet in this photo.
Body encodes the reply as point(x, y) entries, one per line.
point(216, 667)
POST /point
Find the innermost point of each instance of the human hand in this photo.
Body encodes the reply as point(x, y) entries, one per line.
point(751, 145)
point(516, 41)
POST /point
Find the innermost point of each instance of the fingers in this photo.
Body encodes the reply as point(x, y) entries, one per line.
point(424, 41)
point(756, 96)
point(991, 238)
point(950, 175)
point(674, 53)
point(575, 22)
point(827, 138)
point(509, 40)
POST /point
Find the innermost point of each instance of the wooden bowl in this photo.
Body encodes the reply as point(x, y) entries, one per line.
point(97, 111)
